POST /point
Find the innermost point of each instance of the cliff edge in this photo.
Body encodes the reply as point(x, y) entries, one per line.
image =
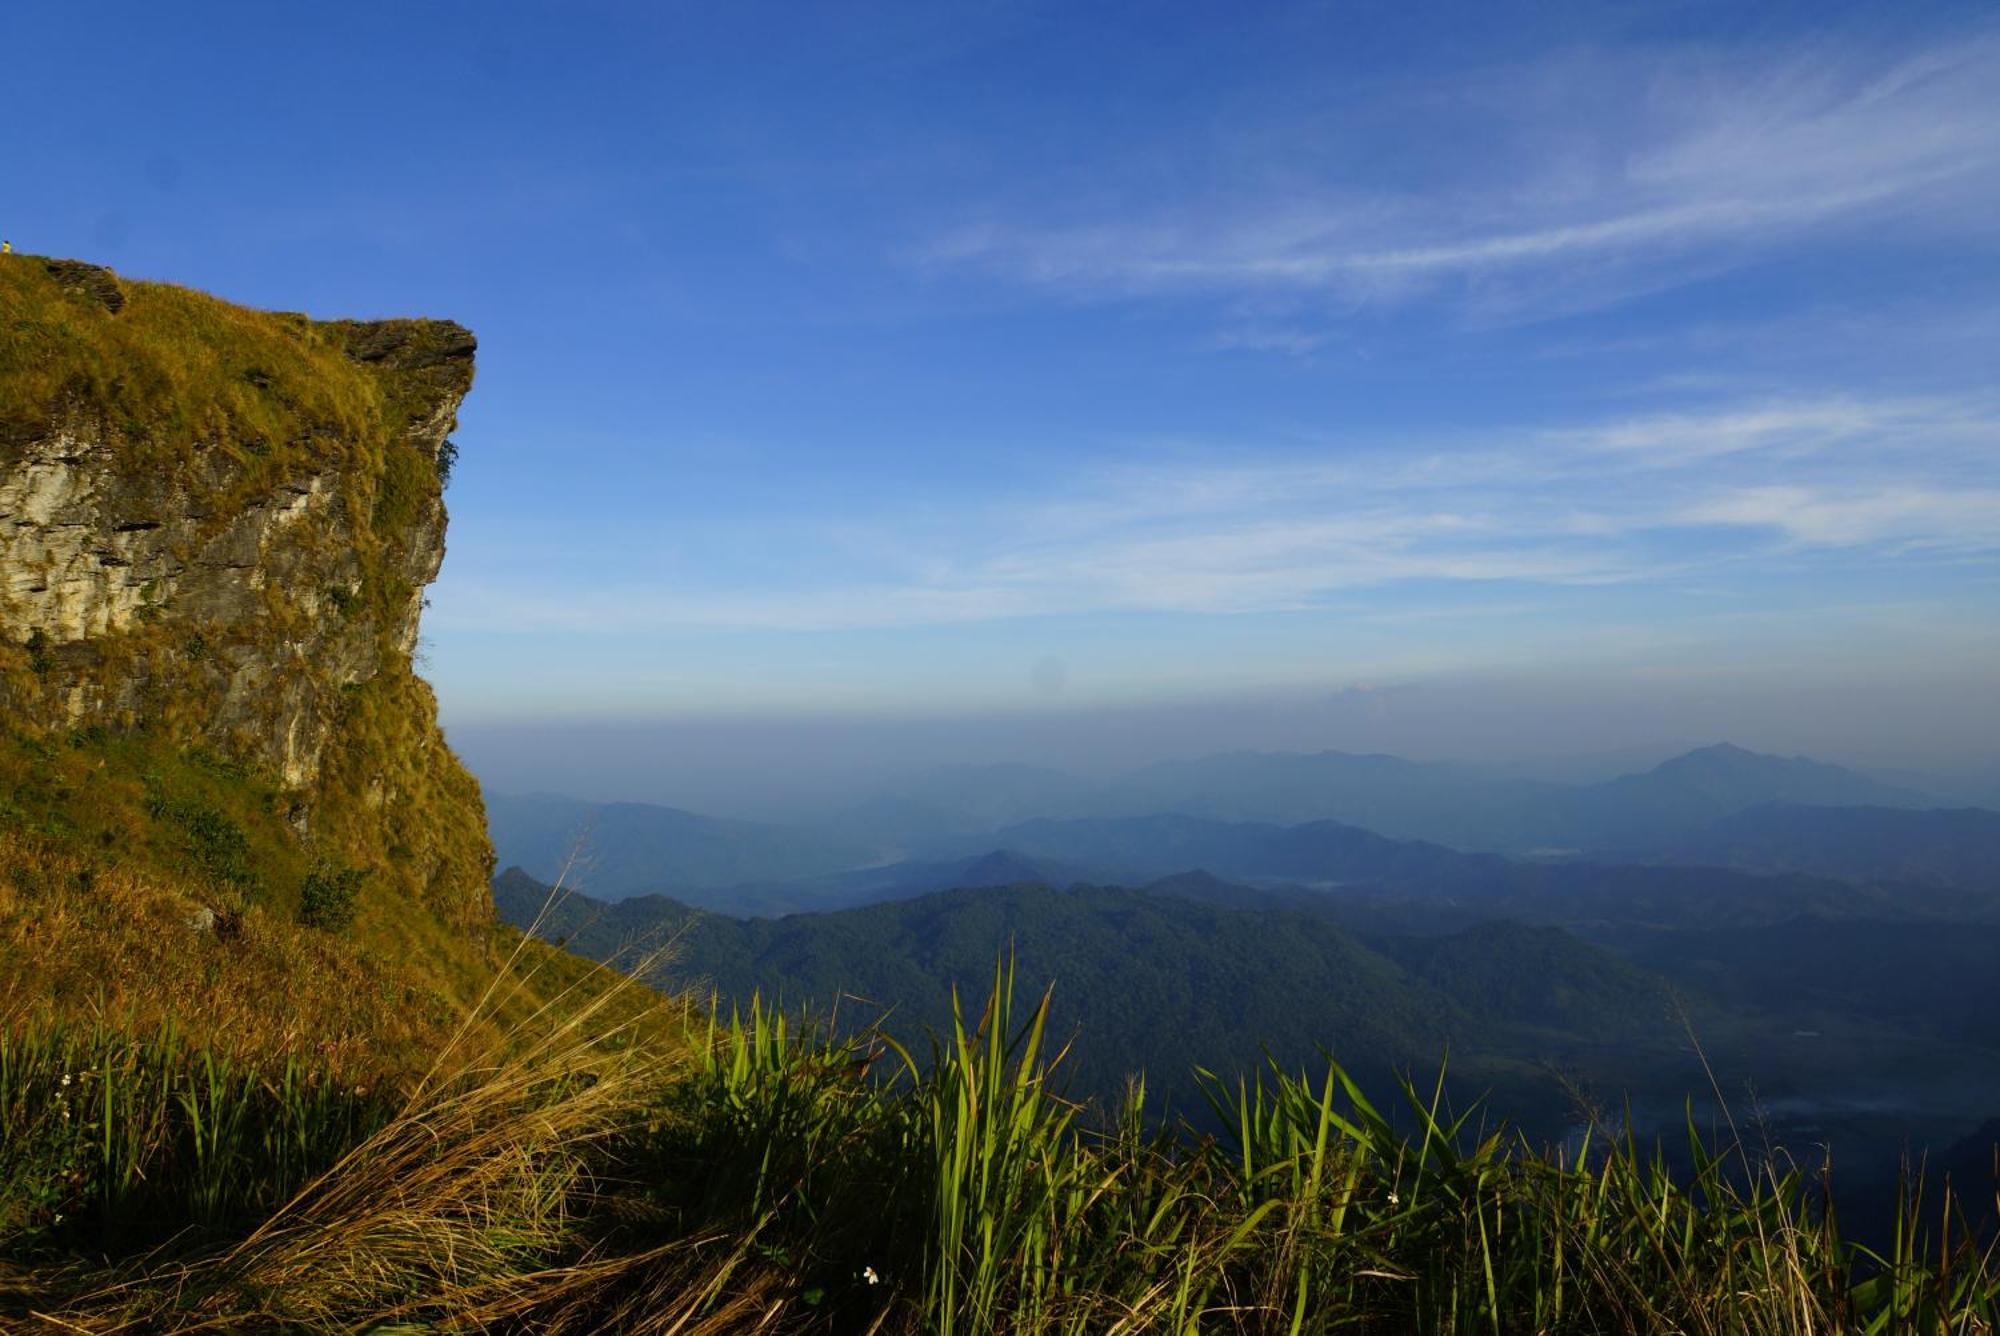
point(216, 526)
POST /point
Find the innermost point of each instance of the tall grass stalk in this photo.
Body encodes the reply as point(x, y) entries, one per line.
point(985, 1202)
point(109, 1142)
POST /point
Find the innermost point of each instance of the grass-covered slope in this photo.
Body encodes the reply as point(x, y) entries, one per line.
point(174, 373)
point(225, 802)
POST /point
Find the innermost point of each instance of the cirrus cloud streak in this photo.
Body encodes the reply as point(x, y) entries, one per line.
point(1650, 501)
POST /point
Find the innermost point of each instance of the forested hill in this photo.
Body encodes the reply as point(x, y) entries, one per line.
point(1955, 847)
point(1146, 981)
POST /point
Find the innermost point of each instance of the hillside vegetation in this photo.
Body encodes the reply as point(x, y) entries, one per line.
point(1160, 981)
point(174, 373)
point(767, 1176)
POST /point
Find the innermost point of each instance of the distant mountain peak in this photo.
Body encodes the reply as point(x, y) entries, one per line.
point(1738, 777)
point(1726, 759)
point(1727, 753)
point(1731, 750)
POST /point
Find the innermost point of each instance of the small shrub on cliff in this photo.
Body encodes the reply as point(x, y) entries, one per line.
point(217, 844)
point(327, 899)
point(39, 659)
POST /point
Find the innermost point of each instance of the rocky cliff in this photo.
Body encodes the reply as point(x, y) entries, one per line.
point(216, 526)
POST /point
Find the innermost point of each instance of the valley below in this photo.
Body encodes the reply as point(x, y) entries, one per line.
point(1825, 999)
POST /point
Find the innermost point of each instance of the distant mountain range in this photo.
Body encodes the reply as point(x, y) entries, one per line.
point(1412, 886)
point(1147, 847)
point(1944, 847)
point(878, 882)
point(1456, 805)
point(1324, 817)
point(1832, 996)
point(621, 849)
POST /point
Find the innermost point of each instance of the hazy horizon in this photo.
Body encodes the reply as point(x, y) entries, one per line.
point(1570, 731)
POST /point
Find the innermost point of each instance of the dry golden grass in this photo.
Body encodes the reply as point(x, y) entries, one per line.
point(124, 946)
point(457, 1215)
point(175, 369)
point(428, 848)
point(80, 940)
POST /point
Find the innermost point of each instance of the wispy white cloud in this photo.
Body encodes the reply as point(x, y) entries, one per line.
point(1916, 517)
point(1788, 429)
point(1907, 480)
point(1695, 165)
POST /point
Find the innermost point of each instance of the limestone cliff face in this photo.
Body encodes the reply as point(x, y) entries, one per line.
point(145, 595)
point(217, 525)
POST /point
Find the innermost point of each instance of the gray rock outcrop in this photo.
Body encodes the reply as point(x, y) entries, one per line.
point(220, 586)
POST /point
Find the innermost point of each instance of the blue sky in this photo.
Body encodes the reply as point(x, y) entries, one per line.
point(894, 360)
